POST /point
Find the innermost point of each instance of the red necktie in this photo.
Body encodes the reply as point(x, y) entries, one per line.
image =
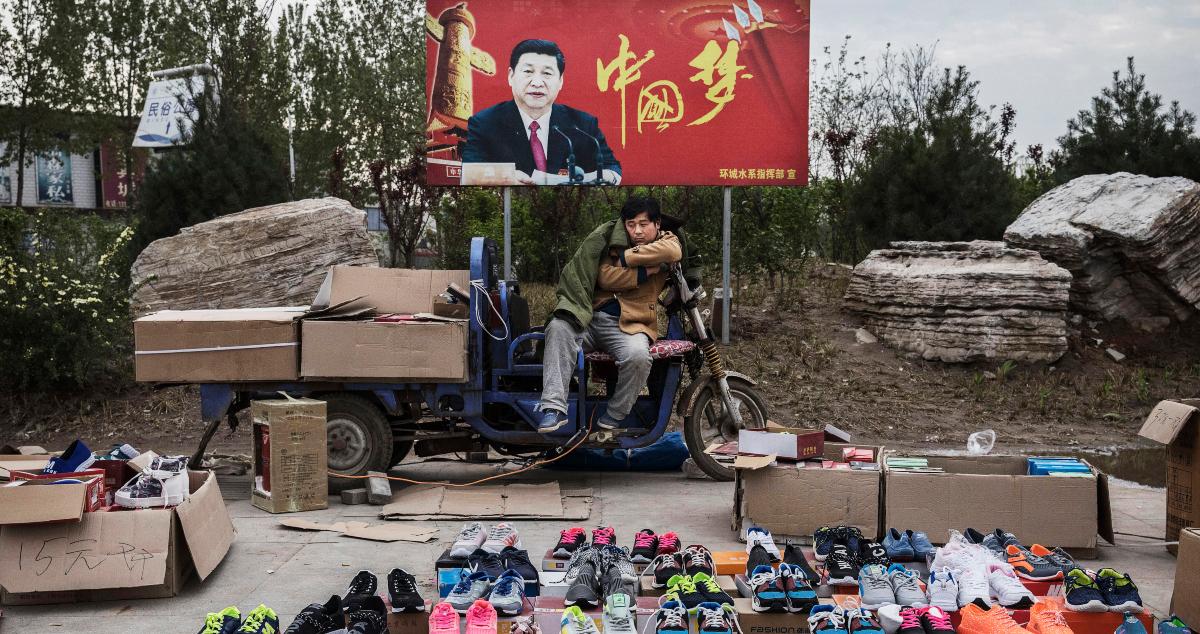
point(535, 144)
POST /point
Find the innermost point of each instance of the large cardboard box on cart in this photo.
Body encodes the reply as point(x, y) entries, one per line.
point(218, 346)
point(116, 554)
point(1174, 424)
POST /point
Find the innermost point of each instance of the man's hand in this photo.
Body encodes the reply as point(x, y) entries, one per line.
point(522, 178)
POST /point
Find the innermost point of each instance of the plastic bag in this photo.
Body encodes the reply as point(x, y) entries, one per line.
point(980, 443)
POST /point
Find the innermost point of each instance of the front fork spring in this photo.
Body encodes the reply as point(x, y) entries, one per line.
point(716, 366)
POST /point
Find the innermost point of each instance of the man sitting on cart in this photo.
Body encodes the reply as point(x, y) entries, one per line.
point(607, 300)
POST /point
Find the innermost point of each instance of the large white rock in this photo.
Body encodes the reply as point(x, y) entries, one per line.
point(963, 301)
point(267, 256)
point(1131, 242)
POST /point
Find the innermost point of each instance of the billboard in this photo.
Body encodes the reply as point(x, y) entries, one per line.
point(170, 111)
point(54, 178)
point(115, 183)
point(629, 92)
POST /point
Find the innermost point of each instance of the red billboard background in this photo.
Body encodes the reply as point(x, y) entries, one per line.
point(719, 90)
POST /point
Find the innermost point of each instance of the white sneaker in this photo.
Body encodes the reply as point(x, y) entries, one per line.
point(973, 584)
point(163, 483)
point(1007, 588)
point(469, 539)
point(889, 618)
point(943, 589)
point(502, 536)
point(762, 537)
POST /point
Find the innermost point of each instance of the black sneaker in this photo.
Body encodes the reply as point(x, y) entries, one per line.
point(516, 559)
point(792, 554)
point(486, 561)
point(668, 566)
point(823, 541)
point(318, 618)
point(367, 616)
point(988, 541)
point(569, 541)
point(613, 582)
point(873, 552)
point(645, 546)
point(363, 584)
point(696, 559)
point(711, 590)
point(758, 557)
point(1005, 538)
point(403, 590)
point(841, 565)
point(583, 579)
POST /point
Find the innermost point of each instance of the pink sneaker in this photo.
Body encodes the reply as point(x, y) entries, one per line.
point(481, 618)
point(443, 619)
point(668, 543)
point(604, 536)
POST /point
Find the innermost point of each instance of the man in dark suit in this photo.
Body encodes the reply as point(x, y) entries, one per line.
point(522, 131)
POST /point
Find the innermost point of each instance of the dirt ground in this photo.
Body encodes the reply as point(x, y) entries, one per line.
point(801, 348)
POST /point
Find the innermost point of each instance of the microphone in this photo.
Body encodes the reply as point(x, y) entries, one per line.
point(574, 173)
point(599, 156)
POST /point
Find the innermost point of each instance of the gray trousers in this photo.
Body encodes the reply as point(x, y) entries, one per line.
point(563, 342)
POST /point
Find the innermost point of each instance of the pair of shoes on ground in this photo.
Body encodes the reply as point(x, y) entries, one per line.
point(1105, 590)
point(846, 618)
point(894, 585)
point(505, 593)
point(261, 620)
point(363, 610)
point(706, 618)
point(594, 575)
point(1036, 563)
point(480, 616)
point(495, 539)
point(693, 560)
point(619, 617)
point(791, 588)
point(907, 545)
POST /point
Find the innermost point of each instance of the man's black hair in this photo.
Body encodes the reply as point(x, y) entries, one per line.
point(540, 47)
point(635, 205)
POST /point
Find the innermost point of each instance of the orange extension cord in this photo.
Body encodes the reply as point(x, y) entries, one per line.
point(491, 477)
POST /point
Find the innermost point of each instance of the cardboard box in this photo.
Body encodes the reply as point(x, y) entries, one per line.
point(793, 502)
point(1186, 599)
point(31, 463)
point(290, 455)
point(198, 346)
point(769, 622)
point(442, 308)
point(37, 499)
point(996, 491)
point(387, 290)
point(1173, 423)
point(417, 351)
point(119, 554)
point(781, 442)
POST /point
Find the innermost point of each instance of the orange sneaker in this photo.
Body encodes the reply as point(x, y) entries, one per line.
point(1029, 566)
point(1046, 617)
point(996, 620)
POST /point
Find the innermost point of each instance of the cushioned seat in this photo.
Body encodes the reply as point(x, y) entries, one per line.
point(661, 349)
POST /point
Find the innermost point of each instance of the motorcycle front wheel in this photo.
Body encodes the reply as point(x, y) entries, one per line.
point(708, 422)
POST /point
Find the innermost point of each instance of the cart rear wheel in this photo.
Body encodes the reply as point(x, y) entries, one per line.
point(708, 422)
point(359, 439)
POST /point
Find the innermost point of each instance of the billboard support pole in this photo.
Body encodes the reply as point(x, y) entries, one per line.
point(507, 233)
point(727, 294)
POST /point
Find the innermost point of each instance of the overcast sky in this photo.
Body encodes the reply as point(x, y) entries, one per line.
point(1046, 57)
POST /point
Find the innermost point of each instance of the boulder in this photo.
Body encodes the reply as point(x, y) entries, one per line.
point(963, 301)
point(267, 256)
point(1132, 244)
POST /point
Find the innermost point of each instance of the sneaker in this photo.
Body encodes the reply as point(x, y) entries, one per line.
point(620, 615)
point(617, 557)
point(757, 536)
point(672, 618)
point(1173, 625)
point(823, 540)
point(975, 619)
point(711, 590)
point(827, 619)
point(801, 595)
point(696, 559)
point(681, 589)
point(363, 583)
point(604, 536)
point(583, 578)
point(319, 618)
point(794, 556)
point(755, 557)
point(481, 618)
point(936, 621)
point(942, 589)
point(443, 619)
point(875, 587)
point(502, 536)
point(841, 566)
point(163, 483)
point(907, 586)
point(261, 620)
point(1057, 556)
point(1006, 539)
point(569, 541)
point(523, 625)
point(367, 616)
point(1131, 624)
point(922, 548)
point(645, 547)
point(486, 561)
point(872, 552)
point(402, 589)
point(769, 595)
point(973, 585)
point(1082, 592)
point(1030, 566)
point(1120, 592)
point(514, 559)
point(713, 618)
point(889, 617)
point(118, 452)
point(469, 539)
point(665, 567)
point(613, 583)
point(668, 544)
point(574, 621)
point(508, 594)
point(470, 589)
point(226, 621)
point(552, 420)
point(1046, 618)
point(75, 458)
point(988, 541)
point(910, 621)
point(860, 620)
point(898, 546)
point(1007, 588)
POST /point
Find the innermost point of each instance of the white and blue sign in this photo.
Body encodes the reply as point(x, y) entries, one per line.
point(170, 112)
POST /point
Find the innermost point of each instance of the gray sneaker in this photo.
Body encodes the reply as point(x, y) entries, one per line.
point(875, 586)
point(618, 557)
point(469, 590)
point(906, 587)
point(583, 579)
point(508, 595)
point(619, 615)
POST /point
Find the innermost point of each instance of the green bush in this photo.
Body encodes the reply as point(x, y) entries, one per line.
point(64, 299)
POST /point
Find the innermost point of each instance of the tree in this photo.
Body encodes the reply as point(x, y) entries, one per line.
point(1127, 129)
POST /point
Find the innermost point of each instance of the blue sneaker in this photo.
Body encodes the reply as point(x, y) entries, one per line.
point(607, 422)
point(827, 619)
point(508, 595)
point(262, 620)
point(769, 595)
point(922, 547)
point(672, 618)
point(1120, 592)
point(552, 420)
point(1174, 625)
point(1131, 625)
point(863, 621)
point(1082, 593)
point(898, 546)
point(800, 593)
point(226, 621)
point(75, 458)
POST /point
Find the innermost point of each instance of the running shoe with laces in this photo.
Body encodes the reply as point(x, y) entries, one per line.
point(973, 586)
point(164, 482)
point(988, 541)
point(910, 621)
point(402, 589)
point(907, 586)
point(977, 619)
point(1131, 624)
point(613, 583)
point(226, 621)
point(758, 536)
point(604, 536)
point(697, 558)
point(481, 618)
point(1045, 617)
point(569, 541)
point(365, 582)
point(319, 618)
point(574, 621)
point(860, 620)
point(645, 546)
point(794, 556)
point(514, 559)
point(620, 614)
point(668, 543)
point(1173, 625)
point(714, 618)
point(683, 590)
point(1056, 556)
point(261, 620)
point(936, 621)
point(769, 595)
point(470, 537)
point(617, 557)
point(711, 590)
point(827, 619)
point(508, 595)
point(368, 616)
point(1081, 592)
point(502, 536)
point(470, 589)
point(801, 594)
point(583, 578)
point(755, 557)
point(942, 589)
point(1030, 566)
point(486, 561)
point(823, 540)
point(841, 565)
point(875, 587)
point(1007, 588)
point(672, 618)
point(1120, 592)
point(664, 567)
point(873, 552)
point(443, 619)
